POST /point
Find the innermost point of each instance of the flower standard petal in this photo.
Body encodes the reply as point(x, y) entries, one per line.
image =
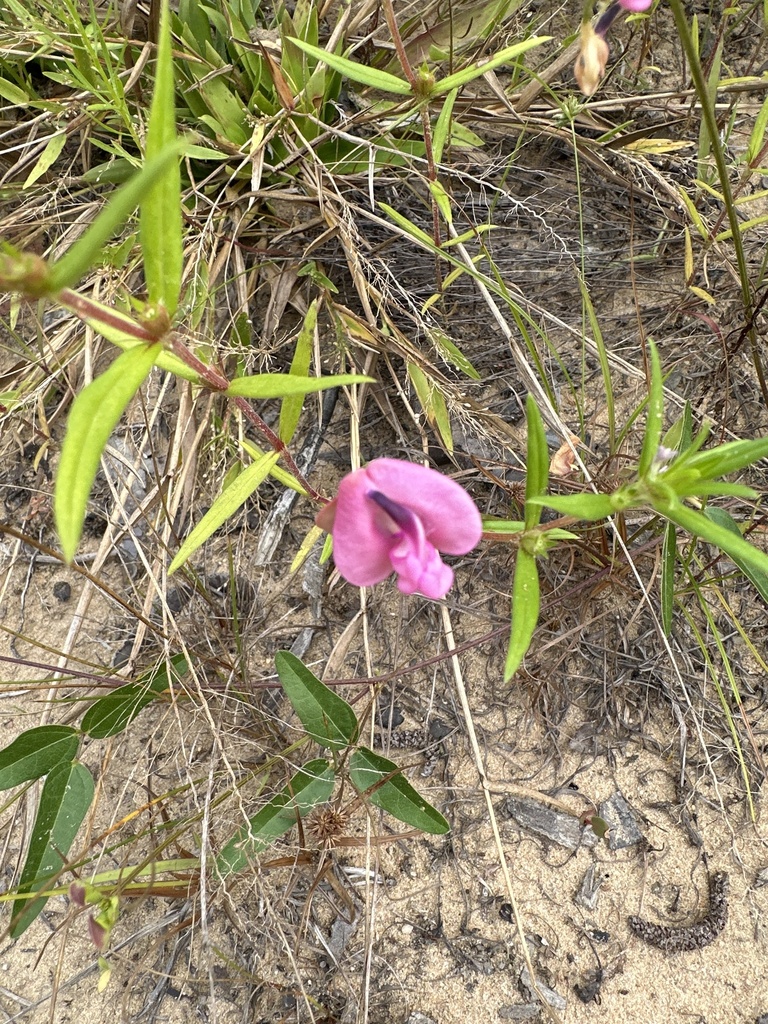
point(450, 518)
point(361, 541)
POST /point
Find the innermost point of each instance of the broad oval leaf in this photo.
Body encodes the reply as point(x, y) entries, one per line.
point(525, 611)
point(94, 416)
point(327, 717)
point(64, 802)
point(311, 786)
point(35, 752)
point(114, 712)
point(396, 796)
point(227, 503)
point(280, 385)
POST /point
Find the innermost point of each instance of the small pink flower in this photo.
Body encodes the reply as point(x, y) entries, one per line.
point(396, 516)
point(636, 5)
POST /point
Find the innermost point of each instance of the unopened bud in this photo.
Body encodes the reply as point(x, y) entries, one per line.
point(590, 64)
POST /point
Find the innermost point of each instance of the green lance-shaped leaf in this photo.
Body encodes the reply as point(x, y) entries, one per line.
point(537, 467)
point(758, 577)
point(469, 74)
point(281, 385)
point(526, 602)
point(733, 544)
point(225, 506)
point(585, 506)
point(668, 563)
point(290, 410)
point(114, 712)
point(35, 752)
point(327, 718)
point(86, 251)
point(396, 796)
point(360, 73)
point(654, 414)
point(64, 802)
point(160, 208)
point(94, 416)
point(725, 458)
point(311, 786)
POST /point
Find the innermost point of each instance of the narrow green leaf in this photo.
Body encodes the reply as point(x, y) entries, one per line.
point(64, 802)
point(526, 602)
point(537, 463)
point(433, 403)
point(442, 126)
point(585, 506)
point(311, 786)
point(227, 503)
point(85, 252)
point(733, 544)
point(757, 577)
point(35, 752)
point(474, 71)
point(654, 414)
point(160, 207)
point(502, 527)
point(114, 712)
point(290, 410)
point(356, 72)
point(396, 796)
point(327, 718)
point(280, 385)
point(729, 457)
point(668, 563)
point(95, 413)
point(47, 158)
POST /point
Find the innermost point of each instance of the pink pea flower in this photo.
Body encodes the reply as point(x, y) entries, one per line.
point(636, 5)
point(396, 516)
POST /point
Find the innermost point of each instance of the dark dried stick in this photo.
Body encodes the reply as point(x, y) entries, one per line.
point(694, 936)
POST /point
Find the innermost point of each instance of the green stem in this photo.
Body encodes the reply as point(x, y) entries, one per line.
point(708, 114)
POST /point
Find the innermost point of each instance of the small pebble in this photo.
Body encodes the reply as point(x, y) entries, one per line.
point(62, 591)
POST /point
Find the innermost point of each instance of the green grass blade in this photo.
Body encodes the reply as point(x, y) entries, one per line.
point(526, 602)
point(160, 208)
point(35, 752)
point(311, 786)
point(95, 414)
point(395, 795)
point(281, 385)
point(64, 802)
point(227, 503)
point(326, 717)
